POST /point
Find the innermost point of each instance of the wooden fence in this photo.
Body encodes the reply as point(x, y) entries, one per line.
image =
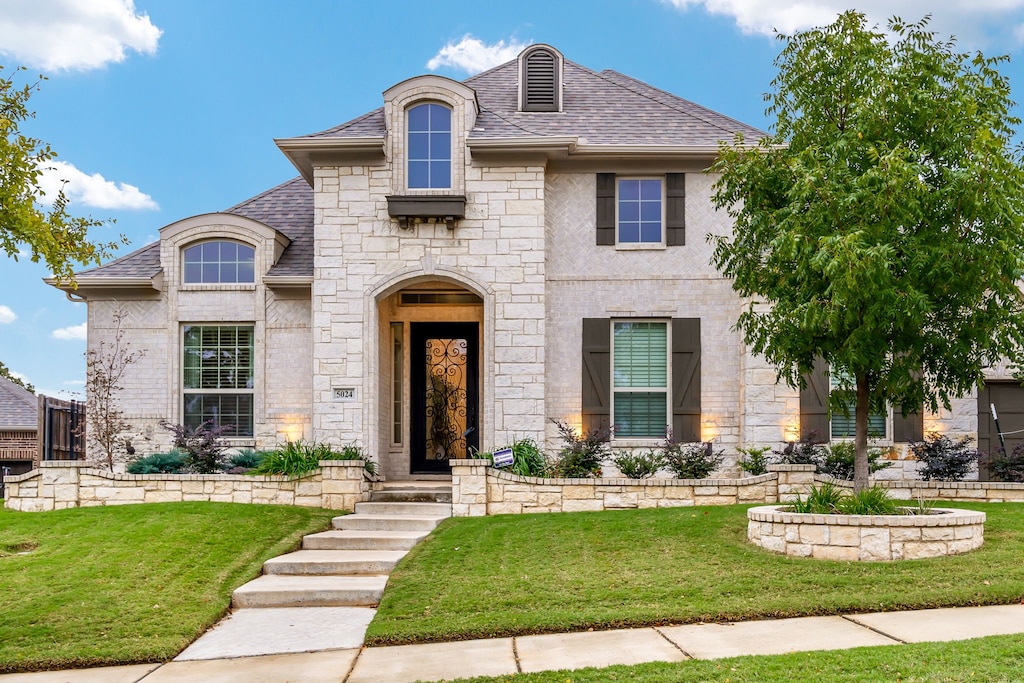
point(61, 433)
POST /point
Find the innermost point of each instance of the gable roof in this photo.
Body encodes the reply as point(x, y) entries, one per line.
point(600, 109)
point(19, 408)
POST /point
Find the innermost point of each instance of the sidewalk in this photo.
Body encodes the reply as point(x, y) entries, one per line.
point(503, 656)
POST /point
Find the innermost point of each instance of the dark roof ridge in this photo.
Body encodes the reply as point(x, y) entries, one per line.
point(672, 101)
point(261, 195)
point(130, 254)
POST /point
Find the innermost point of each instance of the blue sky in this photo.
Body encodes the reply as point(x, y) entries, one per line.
point(163, 110)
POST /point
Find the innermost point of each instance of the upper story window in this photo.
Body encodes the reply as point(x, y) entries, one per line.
point(220, 263)
point(640, 211)
point(429, 146)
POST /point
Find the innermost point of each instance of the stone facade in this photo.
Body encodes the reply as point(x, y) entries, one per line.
point(866, 538)
point(60, 484)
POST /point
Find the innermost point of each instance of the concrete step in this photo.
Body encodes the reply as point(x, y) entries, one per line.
point(387, 522)
point(325, 562)
point(310, 591)
point(413, 495)
point(397, 508)
point(363, 540)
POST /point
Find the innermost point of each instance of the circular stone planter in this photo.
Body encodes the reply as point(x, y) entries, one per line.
point(865, 538)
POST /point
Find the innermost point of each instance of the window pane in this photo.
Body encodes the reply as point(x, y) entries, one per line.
point(440, 174)
point(194, 254)
point(419, 145)
point(629, 232)
point(650, 232)
point(193, 272)
point(629, 212)
point(419, 174)
point(650, 212)
point(640, 354)
point(440, 146)
point(440, 118)
point(650, 189)
point(228, 251)
point(211, 251)
point(232, 410)
point(419, 118)
point(246, 254)
point(640, 414)
point(245, 272)
point(629, 190)
point(229, 272)
point(211, 272)
point(843, 423)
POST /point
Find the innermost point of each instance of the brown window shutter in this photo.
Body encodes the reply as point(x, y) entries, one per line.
point(606, 209)
point(906, 428)
point(675, 209)
point(686, 379)
point(814, 424)
point(540, 91)
point(597, 362)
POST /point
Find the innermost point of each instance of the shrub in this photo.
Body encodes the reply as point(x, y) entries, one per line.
point(528, 459)
point(837, 460)
point(689, 460)
point(637, 465)
point(872, 501)
point(807, 451)
point(755, 460)
point(581, 454)
point(1008, 467)
point(944, 459)
point(246, 458)
point(822, 500)
point(296, 458)
point(172, 462)
point(201, 444)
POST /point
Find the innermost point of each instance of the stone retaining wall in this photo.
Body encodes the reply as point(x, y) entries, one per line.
point(59, 484)
point(866, 538)
point(479, 489)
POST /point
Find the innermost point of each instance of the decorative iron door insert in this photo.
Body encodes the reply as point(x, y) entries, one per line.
point(444, 365)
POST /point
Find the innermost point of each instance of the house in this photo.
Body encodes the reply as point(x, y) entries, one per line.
point(19, 422)
point(456, 269)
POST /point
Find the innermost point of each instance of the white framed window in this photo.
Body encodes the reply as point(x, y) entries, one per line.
point(217, 377)
point(429, 146)
point(640, 396)
point(219, 262)
point(842, 425)
point(640, 211)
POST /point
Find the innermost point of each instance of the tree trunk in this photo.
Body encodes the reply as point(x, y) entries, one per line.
point(860, 439)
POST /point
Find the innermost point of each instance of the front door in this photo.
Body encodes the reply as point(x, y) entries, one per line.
point(445, 367)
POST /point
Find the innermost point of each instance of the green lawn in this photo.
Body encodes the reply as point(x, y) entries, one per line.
point(511, 575)
point(131, 583)
point(993, 660)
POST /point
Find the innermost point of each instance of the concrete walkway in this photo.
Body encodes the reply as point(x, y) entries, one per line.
point(503, 656)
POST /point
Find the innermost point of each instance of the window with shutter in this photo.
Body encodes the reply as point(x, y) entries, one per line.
point(641, 212)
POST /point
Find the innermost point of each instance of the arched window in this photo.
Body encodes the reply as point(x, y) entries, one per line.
point(429, 146)
point(219, 262)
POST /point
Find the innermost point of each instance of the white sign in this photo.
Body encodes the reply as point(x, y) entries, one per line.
point(503, 458)
point(345, 394)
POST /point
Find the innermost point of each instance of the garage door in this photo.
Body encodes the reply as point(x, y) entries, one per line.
point(1008, 398)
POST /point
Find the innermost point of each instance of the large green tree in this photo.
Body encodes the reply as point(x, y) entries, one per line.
point(50, 234)
point(880, 225)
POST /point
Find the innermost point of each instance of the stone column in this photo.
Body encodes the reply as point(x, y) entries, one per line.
point(344, 484)
point(60, 482)
point(469, 487)
point(794, 480)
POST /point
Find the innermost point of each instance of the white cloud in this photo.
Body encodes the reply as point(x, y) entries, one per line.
point(74, 332)
point(472, 55)
point(974, 21)
point(7, 315)
point(91, 190)
point(57, 35)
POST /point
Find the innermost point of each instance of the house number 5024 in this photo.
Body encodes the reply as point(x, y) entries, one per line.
point(345, 394)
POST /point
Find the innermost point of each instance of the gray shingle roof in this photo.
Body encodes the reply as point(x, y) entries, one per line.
point(601, 108)
point(18, 406)
point(287, 208)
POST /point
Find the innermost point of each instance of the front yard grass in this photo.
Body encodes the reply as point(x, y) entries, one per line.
point(512, 575)
point(995, 660)
point(130, 583)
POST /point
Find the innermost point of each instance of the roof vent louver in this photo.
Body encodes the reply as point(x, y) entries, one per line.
point(540, 79)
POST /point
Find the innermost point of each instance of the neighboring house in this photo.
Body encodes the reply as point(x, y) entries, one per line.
point(19, 422)
point(459, 267)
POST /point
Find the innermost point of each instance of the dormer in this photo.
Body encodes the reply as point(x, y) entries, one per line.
point(540, 79)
